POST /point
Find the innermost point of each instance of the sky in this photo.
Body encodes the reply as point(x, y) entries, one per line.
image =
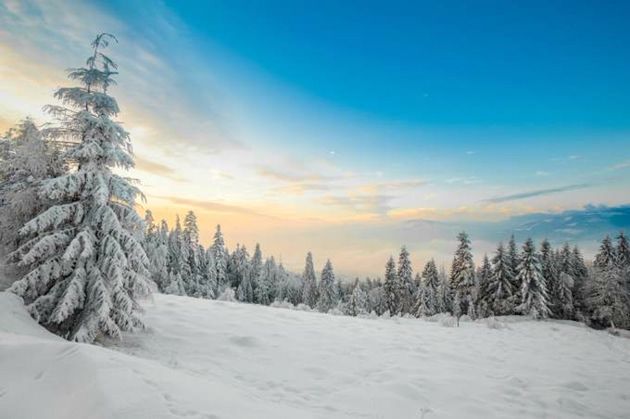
point(351, 131)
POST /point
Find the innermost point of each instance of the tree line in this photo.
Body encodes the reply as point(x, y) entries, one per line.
point(541, 283)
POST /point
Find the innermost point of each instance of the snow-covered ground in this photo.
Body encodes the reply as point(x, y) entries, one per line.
point(211, 359)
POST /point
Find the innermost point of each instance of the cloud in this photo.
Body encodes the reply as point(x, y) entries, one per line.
point(539, 192)
point(586, 225)
point(213, 206)
point(402, 184)
point(156, 168)
point(364, 203)
point(622, 165)
point(292, 176)
point(470, 180)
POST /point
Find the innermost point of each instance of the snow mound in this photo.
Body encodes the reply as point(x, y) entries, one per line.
point(219, 359)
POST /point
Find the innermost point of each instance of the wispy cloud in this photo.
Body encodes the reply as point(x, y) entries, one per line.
point(622, 165)
point(538, 192)
point(291, 176)
point(213, 206)
point(470, 180)
point(359, 203)
point(156, 168)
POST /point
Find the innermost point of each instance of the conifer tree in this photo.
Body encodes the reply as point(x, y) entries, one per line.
point(406, 290)
point(156, 248)
point(309, 290)
point(27, 160)
point(501, 293)
point(391, 288)
point(86, 263)
point(484, 295)
point(265, 283)
point(220, 255)
point(376, 300)
point(240, 266)
point(191, 269)
point(580, 274)
point(427, 303)
point(514, 261)
point(249, 272)
point(176, 259)
point(622, 252)
point(533, 289)
point(608, 299)
point(445, 296)
point(327, 293)
point(555, 285)
point(606, 257)
point(463, 273)
point(563, 292)
point(358, 301)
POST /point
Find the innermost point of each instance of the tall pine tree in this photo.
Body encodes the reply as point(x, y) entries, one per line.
point(535, 301)
point(87, 265)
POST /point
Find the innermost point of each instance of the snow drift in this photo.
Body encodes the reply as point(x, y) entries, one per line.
point(215, 359)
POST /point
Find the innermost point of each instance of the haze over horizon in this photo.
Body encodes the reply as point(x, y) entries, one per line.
point(352, 131)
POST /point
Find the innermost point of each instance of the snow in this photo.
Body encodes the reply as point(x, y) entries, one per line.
point(219, 359)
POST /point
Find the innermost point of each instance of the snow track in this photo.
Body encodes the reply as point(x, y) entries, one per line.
point(211, 359)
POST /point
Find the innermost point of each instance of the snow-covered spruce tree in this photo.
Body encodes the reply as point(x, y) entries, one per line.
point(427, 303)
point(156, 247)
point(391, 288)
point(563, 291)
point(247, 288)
point(376, 300)
point(358, 301)
point(463, 273)
point(239, 268)
point(26, 161)
point(565, 260)
point(309, 290)
point(175, 284)
point(407, 289)
point(513, 262)
point(555, 287)
point(606, 257)
point(87, 266)
point(220, 255)
point(579, 276)
point(267, 282)
point(327, 289)
point(210, 275)
point(237, 265)
point(484, 292)
point(607, 298)
point(535, 301)
point(195, 274)
point(290, 287)
point(622, 252)
point(445, 296)
point(176, 260)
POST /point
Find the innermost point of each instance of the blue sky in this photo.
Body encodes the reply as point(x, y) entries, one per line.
point(334, 126)
point(420, 80)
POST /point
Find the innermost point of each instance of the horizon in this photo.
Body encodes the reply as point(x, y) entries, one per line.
point(322, 129)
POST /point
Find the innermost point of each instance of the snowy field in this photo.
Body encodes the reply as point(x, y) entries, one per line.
point(211, 359)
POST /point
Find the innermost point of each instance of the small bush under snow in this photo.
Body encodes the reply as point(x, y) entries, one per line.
point(227, 295)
